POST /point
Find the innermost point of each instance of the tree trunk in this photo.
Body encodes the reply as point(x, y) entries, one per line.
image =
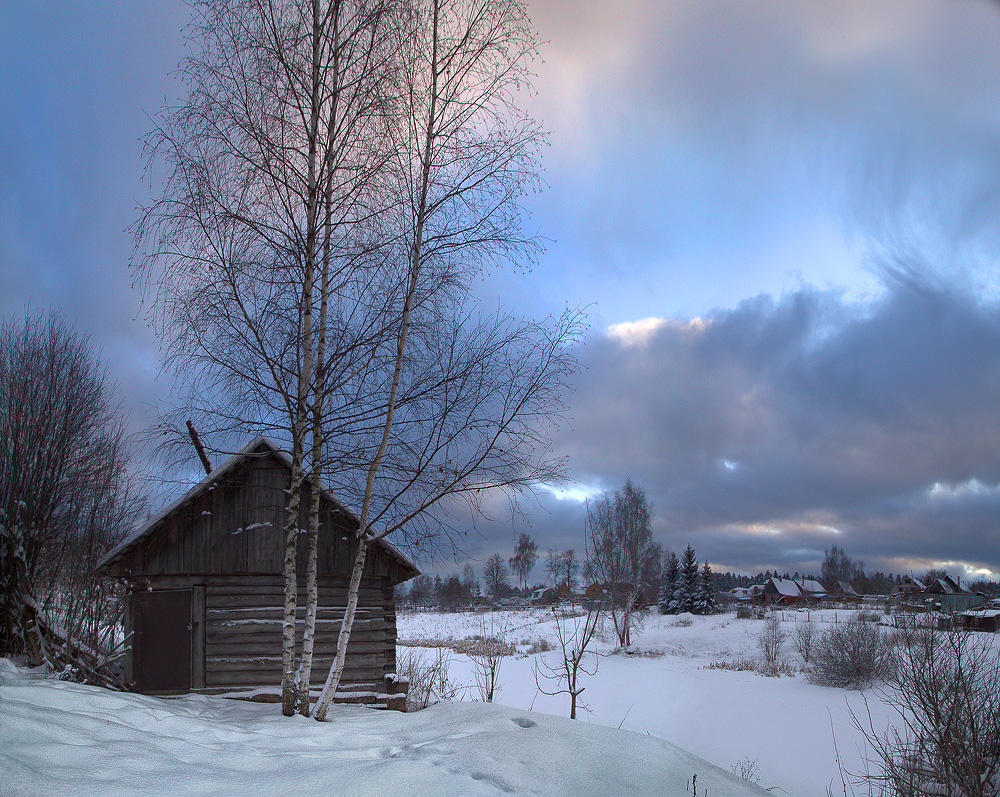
point(288, 692)
point(337, 669)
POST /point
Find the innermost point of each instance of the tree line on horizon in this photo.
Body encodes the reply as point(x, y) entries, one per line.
point(662, 574)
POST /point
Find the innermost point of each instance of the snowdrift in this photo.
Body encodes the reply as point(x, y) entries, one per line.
point(63, 738)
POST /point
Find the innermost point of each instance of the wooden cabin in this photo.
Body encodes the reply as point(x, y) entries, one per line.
point(781, 591)
point(205, 588)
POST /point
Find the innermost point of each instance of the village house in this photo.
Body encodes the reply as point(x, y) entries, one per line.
point(781, 591)
point(205, 588)
point(908, 585)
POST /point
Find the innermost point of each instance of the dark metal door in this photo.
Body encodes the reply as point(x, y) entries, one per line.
point(161, 641)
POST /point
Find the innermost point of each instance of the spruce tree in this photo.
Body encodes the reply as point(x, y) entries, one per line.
point(671, 574)
point(686, 594)
point(706, 596)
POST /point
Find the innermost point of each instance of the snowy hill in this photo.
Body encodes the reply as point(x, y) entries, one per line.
point(61, 738)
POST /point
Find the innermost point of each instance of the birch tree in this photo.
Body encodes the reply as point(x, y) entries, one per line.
point(524, 558)
point(468, 155)
point(618, 538)
point(337, 177)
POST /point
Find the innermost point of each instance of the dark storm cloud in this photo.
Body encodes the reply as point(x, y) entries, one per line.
point(707, 151)
point(81, 82)
point(783, 426)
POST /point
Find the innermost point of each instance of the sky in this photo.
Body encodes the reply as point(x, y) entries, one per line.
point(781, 216)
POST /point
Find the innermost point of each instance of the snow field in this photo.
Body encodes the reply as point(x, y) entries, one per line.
point(59, 738)
point(798, 733)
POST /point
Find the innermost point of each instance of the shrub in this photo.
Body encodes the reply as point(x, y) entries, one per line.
point(747, 769)
point(737, 665)
point(804, 636)
point(771, 639)
point(775, 669)
point(541, 645)
point(429, 682)
point(852, 655)
point(945, 692)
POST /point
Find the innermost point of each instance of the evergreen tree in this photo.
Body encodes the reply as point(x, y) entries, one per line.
point(671, 573)
point(706, 596)
point(686, 593)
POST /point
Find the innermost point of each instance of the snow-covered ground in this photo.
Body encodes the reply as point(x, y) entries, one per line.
point(58, 738)
point(675, 714)
point(791, 729)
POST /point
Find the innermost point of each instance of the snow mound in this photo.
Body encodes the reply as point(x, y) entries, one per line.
point(61, 738)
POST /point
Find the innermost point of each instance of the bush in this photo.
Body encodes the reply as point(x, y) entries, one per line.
point(945, 692)
point(804, 638)
point(771, 639)
point(852, 655)
point(429, 681)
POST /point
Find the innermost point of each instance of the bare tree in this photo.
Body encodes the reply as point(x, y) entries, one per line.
point(618, 539)
point(804, 637)
point(467, 154)
point(524, 558)
point(495, 576)
point(771, 639)
point(569, 566)
point(553, 566)
point(339, 174)
point(944, 690)
point(67, 495)
point(574, 638)
point(839, 568)
point(488, 651)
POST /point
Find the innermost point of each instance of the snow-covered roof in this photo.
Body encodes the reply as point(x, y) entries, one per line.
point(787, 587)
point(810, 585)
point(248, 451)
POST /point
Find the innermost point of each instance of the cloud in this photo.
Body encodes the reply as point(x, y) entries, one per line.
point(869, 423)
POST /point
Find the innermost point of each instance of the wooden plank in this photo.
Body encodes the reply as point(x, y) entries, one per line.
point(264, 596)
point(275, 613)
point(273, 641)
point(229, 645)
point(270, 666)
point(250, 584)
point(198, 633)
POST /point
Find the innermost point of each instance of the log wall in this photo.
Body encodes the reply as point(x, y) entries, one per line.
point(236, 634)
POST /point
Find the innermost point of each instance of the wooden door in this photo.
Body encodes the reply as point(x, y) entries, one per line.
point(161, 640)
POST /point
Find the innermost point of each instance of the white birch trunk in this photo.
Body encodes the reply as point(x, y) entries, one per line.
point(291, 590)
point(344, 638)
point(289, 685)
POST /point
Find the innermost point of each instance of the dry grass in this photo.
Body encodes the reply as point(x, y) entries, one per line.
point(737, 665)
point(769, 669)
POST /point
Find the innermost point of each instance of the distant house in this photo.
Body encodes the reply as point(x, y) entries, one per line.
point(942, 586)
point(947, 595)
point(205, 587)
point(782, 591)
point(811, 590)
point(593, 591)
point(842, 591)
point(908, 585)
point(544, 596)
point(979, 620)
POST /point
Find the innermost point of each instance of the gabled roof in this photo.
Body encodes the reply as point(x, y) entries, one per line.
point(811, 586)
point(944, 586)
point(258, 447)
point(786, 587)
